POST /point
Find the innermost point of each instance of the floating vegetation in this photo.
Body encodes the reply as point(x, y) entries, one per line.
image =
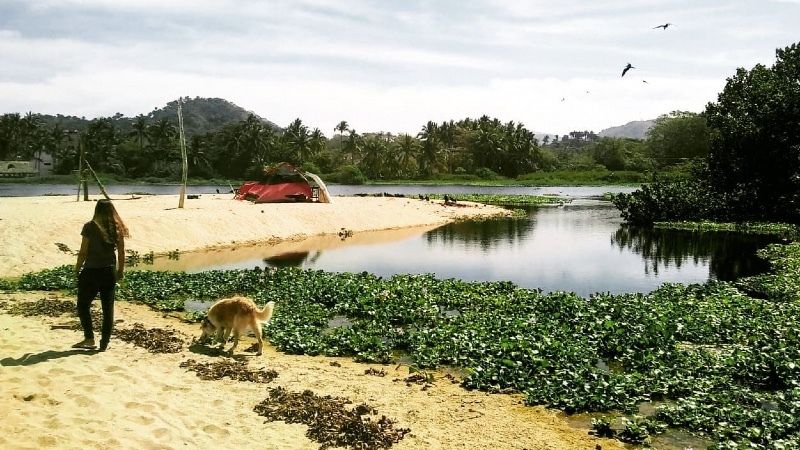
point(504, 199)
point(43, 307)
point(724, 356)
point(59, 278)
point(155, 340)
point(133, 258)
point(786, 230)
point(375, 372)
point(329, 421)
point(7, 285)
point(235, 370)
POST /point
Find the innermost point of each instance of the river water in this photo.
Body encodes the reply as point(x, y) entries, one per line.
point(581, 246)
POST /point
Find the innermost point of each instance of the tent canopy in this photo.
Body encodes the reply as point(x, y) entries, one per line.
point(282, 183)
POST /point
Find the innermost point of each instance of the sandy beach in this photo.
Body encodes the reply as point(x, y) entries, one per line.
point(56, 397)
point(30, 227)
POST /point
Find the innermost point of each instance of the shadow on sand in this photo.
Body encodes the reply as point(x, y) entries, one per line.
point(30, 359)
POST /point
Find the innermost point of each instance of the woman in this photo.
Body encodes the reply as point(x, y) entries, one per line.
point(96, 269)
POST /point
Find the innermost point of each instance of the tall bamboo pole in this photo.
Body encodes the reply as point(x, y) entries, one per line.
point(185, 165)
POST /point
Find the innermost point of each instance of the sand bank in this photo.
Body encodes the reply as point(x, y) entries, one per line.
point(30, 227)
point(55, 397)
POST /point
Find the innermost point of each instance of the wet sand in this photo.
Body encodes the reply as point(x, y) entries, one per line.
point(30, 227)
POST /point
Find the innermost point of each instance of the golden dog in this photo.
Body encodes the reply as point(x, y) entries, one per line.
point(235, 314)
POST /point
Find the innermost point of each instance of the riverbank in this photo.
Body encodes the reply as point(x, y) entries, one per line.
point(127, 397)
point(31, 228)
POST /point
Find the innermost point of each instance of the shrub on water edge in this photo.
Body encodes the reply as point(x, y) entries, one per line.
point(486, 174)
point(348, 175)
point(675, 200)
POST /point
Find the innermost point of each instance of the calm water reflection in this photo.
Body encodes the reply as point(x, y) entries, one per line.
point(581, 247)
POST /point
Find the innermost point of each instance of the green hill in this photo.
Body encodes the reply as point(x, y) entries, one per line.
point(200, 116)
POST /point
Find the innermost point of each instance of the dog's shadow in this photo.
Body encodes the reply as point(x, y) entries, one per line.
point(215, 352)
point(30, 359)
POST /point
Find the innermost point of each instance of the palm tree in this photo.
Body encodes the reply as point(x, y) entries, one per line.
point(317, 144)
point(297, 141)
point(374, 150)
point(407, 149)
point(139, 130)
point(430, 157)
point(341, 127)
point(352, 146)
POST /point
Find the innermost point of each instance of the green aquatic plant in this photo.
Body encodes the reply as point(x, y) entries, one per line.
point(505, 199)
point(720, 360)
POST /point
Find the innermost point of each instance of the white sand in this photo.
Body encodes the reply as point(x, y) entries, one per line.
point(55, 397)
point(31, 226)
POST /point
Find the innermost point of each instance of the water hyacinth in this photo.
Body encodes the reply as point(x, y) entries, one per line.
point(720, 361)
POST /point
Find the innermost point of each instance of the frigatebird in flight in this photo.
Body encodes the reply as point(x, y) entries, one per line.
point(663, 26)
point(626, 69)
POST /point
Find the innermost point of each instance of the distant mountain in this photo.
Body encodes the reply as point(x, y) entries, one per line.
point(200, 116)
point(634, 130)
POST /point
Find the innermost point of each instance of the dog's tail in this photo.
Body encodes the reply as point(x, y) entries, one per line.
point(265, 314)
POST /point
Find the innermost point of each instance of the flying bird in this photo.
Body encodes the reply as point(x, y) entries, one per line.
point(562, 99)
point(626, 69)
point(663, 26)
point(645, 82)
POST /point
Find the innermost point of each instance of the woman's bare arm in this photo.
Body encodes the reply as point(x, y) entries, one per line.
point(120, 258)
point(82, 255)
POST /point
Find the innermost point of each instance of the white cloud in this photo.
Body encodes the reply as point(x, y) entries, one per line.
point(382, 66)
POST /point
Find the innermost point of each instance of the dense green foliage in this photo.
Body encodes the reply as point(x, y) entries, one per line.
point(227, 142)
point(668, 200)
point(754, 162)
point(720, 362)
point(678, 137)
point(752, 172)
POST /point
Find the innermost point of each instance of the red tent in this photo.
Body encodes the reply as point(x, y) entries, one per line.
point(280, 183)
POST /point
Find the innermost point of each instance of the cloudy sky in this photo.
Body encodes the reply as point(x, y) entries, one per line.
point(386, 65)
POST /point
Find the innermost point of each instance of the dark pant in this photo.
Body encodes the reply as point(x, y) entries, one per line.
point(90, 282)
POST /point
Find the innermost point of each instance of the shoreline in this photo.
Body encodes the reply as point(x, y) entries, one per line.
point(31, 227)
point(65, 398)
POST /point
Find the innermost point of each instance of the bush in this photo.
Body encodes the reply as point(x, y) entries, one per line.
point(668, 201)
point(310, 167)
point(348, 175)
point(486, 174)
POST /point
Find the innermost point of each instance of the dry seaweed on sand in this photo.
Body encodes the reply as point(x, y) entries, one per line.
point(97, 322)
point(155, 340)
point(235, 370)
point(43, 307)
point(329, 422)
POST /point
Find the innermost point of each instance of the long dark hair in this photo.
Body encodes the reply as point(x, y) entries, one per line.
point(111, 226)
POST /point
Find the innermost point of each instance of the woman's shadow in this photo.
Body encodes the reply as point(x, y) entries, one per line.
point(30, 359)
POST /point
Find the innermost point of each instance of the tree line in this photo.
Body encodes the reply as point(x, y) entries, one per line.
point(752, 172)
point(146, 146)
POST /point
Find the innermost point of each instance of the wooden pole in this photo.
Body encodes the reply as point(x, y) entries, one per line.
point(185, 165)
point(97, 180)
point(80, 171)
